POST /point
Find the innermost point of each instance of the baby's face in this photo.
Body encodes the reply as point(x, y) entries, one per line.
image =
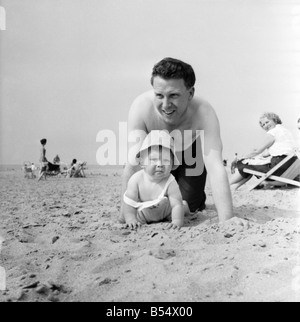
point(158, 163)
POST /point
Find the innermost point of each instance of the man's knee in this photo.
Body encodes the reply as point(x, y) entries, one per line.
point(197, 205)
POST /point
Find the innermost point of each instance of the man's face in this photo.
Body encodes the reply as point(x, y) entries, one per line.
point(171, 99)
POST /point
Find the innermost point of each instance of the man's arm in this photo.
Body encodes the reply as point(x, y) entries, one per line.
point(213, 161)
point(136, 130)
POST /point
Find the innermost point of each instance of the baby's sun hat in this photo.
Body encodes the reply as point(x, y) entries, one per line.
point(160, 138)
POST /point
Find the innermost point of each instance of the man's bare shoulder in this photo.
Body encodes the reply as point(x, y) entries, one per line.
point(201, 105)
point(143, 102)
point(139, 111)
point(202, 111)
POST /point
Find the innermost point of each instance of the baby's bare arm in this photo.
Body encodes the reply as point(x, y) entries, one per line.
point(176, 203)
point(130, 214)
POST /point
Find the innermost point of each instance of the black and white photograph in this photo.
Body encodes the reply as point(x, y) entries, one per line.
point(149, 153)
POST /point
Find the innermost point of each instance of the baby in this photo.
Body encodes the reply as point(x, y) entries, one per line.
point(153, 194)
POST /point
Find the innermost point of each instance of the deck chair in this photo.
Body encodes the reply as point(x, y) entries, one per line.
point(288, 177)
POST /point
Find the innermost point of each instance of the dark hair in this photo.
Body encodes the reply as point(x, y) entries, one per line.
point(74, 161)
point(171, 68)
point(43, 141)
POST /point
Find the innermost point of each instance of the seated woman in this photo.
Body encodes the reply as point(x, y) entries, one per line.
point(82, 166)
point(279, 143)
point(71, 170)
point(76, 169)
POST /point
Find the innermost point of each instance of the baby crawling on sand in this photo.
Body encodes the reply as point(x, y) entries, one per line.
point(153, 194)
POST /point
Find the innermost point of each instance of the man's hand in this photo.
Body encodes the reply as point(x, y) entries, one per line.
point(173, 225)
point(235, 223)
point(133, 224)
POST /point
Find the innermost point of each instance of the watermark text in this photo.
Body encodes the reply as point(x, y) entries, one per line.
point(123, 147)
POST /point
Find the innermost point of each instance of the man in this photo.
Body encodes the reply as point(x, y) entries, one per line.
point(172, 106)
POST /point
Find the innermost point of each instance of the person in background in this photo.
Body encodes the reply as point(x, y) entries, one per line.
point(33, 169)
point(76, 169)
point(298, 142)
point(43, 160)
point(234, 163)
point(72, 168)
point(278, 144)
point(56, 160)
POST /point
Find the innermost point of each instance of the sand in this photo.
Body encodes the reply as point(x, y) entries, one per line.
point(62, 243)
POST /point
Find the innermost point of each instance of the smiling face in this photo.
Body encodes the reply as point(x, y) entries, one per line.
point(157, 162)
point(171, 99)
point(267, 124)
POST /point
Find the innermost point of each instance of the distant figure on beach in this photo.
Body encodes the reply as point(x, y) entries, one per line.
point(278, 144)
point(29, 170)
point(152, 194)
point(33, 169)
point(56, 160)
point(71, 168)
point(234, 163)
point(76, 169)
point(43, 160)
point(298, 140)
point(173, 106)
point(298, 145)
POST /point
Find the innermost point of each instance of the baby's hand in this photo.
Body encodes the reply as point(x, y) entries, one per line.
point(133, 224)
point(174, 226)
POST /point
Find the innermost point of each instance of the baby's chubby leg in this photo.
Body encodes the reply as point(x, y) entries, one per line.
point(186, 210)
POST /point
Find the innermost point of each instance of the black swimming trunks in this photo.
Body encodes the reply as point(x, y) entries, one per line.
point(191, 177)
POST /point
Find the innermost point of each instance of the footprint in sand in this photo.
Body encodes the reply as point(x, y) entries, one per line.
point(163, 254)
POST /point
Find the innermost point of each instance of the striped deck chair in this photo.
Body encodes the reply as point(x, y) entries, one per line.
point(288, 177)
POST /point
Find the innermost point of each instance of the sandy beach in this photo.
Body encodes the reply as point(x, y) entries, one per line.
point(62, 243)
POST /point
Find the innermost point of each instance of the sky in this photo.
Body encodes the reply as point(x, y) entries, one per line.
point(70, 69)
